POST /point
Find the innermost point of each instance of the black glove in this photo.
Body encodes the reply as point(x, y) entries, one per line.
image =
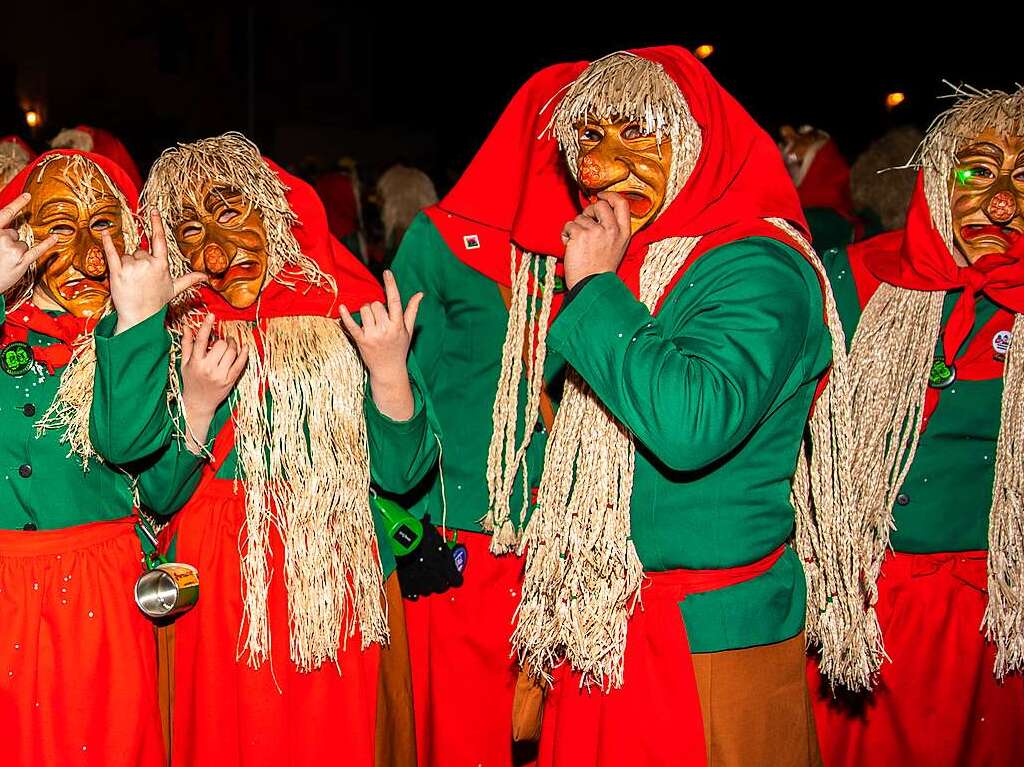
point(430, 568)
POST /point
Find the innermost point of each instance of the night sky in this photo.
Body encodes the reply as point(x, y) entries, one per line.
point(305, 82)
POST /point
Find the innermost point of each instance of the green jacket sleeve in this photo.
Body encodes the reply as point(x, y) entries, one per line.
point(129, 419)
point(402, 452)
point(694, 382)
point(167, 479)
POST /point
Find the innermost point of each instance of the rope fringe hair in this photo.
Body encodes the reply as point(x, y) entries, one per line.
point(305, 469)
point(526, 336)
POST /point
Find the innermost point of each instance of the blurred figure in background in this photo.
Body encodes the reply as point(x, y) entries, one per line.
point(86, 138)
point(822, 178)
point(402, 192)
point(880, 185)
point(15, 154)
point(340, 191)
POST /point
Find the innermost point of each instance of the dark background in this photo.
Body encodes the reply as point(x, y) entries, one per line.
point(424, 87)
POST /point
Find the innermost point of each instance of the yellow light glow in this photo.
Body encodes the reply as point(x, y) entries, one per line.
point(32, 118)
point(703, 51)
point(895, 99)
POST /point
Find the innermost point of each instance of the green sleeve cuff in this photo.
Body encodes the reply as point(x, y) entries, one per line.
point(373, 413)
point(144, 332)
point(603, 315)
point(129, 419)
point(402, 452)
point(3, 309)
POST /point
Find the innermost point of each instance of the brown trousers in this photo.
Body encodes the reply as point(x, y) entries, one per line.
point(396, 727)
point(756, 706)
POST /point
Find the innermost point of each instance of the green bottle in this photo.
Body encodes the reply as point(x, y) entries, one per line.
point(404, 531)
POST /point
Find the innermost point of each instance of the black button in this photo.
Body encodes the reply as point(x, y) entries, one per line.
point(539, 427)
point(30, 526)
point(25, 470)
point(902, 499)
point(29, 409)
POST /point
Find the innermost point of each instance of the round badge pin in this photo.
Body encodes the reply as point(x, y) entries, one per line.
point(941, 375)
point(1001, 342)
point(16, 358)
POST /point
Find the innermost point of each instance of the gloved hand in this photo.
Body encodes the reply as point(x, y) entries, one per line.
point(430, 568)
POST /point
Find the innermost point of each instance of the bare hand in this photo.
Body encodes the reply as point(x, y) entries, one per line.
point(383, 342)
point(596, 240)
point(208, 374)
point(140, 283)
point(15, 256)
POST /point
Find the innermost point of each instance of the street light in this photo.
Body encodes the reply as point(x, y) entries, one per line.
point(894, 99)
point(32, 118)
point(703, 51)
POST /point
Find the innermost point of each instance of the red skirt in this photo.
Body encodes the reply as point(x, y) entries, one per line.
point(937, 702)
point(77, 658)
point(464, 676)
point(654, 719)
point(227, 714)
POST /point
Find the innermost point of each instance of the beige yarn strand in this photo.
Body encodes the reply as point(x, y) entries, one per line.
point(834, 560)
point(1004, 614)
point(526, 335)
point(305, 468)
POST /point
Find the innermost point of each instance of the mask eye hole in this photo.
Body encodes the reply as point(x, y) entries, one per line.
point(632, 132)
point(102, 224)
point(62, 230)
point(227, 216)
point(190, 231)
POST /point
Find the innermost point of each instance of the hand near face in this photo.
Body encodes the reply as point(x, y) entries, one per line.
point(140, 283)
point(596, 240)
point(383, 341)
point(15, 256)
point(208, 374)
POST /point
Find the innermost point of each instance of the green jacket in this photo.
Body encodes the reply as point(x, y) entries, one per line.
point(944, 503)
point(716, 389)
point(44, 488)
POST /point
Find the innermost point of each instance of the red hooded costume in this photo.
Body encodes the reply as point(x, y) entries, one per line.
point(78, 657)
point(227, 713)
point(937, 701)
point(739, 180)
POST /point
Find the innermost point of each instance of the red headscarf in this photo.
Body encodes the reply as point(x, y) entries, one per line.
point(518, 184)
point(64, 327)
point(356, 286)
point(918, 259)
point(99, 141)
point(827, 182)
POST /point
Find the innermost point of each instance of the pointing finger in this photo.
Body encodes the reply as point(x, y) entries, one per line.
point(10, 211)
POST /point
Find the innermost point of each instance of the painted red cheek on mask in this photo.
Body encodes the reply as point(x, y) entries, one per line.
point(1002, 206)
point(590, 172)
